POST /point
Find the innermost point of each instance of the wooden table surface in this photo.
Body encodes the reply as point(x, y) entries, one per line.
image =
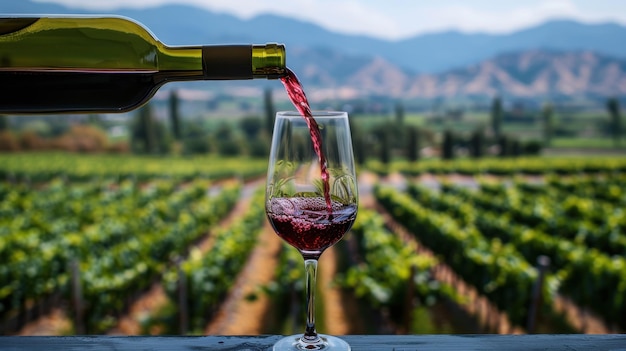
point(615, 342)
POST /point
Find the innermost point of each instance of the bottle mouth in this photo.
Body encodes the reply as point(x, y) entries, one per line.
point(269, 61)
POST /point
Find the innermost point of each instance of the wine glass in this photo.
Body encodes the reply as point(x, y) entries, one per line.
point(311, 200)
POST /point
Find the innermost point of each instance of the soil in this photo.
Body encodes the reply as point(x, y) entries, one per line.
point(54, 323)
point(337, 311)
point(241, 314)
point(581, 319)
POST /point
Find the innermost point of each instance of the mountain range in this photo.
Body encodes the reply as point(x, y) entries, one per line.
point(559, 58)
point(527, 74)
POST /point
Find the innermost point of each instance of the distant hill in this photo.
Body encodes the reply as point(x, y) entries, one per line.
point(442, 51)
point(525, 74)
point(559, 57)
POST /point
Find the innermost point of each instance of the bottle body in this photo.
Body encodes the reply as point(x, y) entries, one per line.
point(109, 64)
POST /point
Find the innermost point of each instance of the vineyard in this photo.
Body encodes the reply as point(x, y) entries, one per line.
point(508, 246)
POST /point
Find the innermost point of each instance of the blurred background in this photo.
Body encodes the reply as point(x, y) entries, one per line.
point(491, 131)
point(552, 67)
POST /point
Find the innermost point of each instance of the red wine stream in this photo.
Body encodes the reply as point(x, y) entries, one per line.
point(299, 100)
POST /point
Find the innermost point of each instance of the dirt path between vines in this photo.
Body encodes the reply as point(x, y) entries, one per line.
point(239, 314)
point(54, 323)
point(337, 311)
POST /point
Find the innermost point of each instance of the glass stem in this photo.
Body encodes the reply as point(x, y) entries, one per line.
point(310, 268)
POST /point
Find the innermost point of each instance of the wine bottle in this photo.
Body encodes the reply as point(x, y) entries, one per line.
point(104, 64)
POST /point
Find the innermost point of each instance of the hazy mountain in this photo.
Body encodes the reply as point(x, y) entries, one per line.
point(442, 51)
point(527, 74)
point(556, 58)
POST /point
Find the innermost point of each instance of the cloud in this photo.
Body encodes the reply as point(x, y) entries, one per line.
point(468, 18)
point(347, 16)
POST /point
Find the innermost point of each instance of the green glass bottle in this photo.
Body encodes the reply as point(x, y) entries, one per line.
point(95, 64)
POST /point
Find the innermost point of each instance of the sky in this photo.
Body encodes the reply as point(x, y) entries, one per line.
point(398, 19)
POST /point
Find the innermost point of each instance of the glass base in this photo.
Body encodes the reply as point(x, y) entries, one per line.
point(327, 342)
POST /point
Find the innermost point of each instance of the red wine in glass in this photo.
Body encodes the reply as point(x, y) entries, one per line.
point(311, 195)
point(306, 224)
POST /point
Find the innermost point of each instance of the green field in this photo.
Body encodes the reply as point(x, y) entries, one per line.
point(43, 166)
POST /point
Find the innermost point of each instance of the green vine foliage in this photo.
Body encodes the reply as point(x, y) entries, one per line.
point(210, 276)
point(389, 266)
point(495, 269)
point(120, 235)
point(582, 234)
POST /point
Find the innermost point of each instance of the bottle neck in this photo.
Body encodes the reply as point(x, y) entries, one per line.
point(243, 61)
point(269, 61)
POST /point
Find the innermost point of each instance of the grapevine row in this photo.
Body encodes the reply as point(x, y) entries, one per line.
point(387, 267)
point(42, 166)
point(164, 231)
point(496, 270)
point(584, 273)
point(503, 167)
point(587, 221)
point(211, 275)
point(606, 188)
point(121, 236)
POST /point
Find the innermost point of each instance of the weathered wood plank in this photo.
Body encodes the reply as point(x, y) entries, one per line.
point(358, 342)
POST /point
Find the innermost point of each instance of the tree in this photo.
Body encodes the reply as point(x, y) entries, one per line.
point(612, 106)
point(259, 147)
point(397, 129)
point(227, 144)
point(4, 123)
point(148, 136)
point(399, 112)
point(269, 111)
point(448, 145)
point(174, 103)
point(358, 142)
point(548, 123)
point(413, 144)
point(82, 138)
point(196, 139)
point(385, 147)
point(95, 119)
point(258, 143)
point(477, 141)
point(251, 126)
point(496, 117)
point(516, 148)
point(147, 121)
point(8, 141)
point(504, 146)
